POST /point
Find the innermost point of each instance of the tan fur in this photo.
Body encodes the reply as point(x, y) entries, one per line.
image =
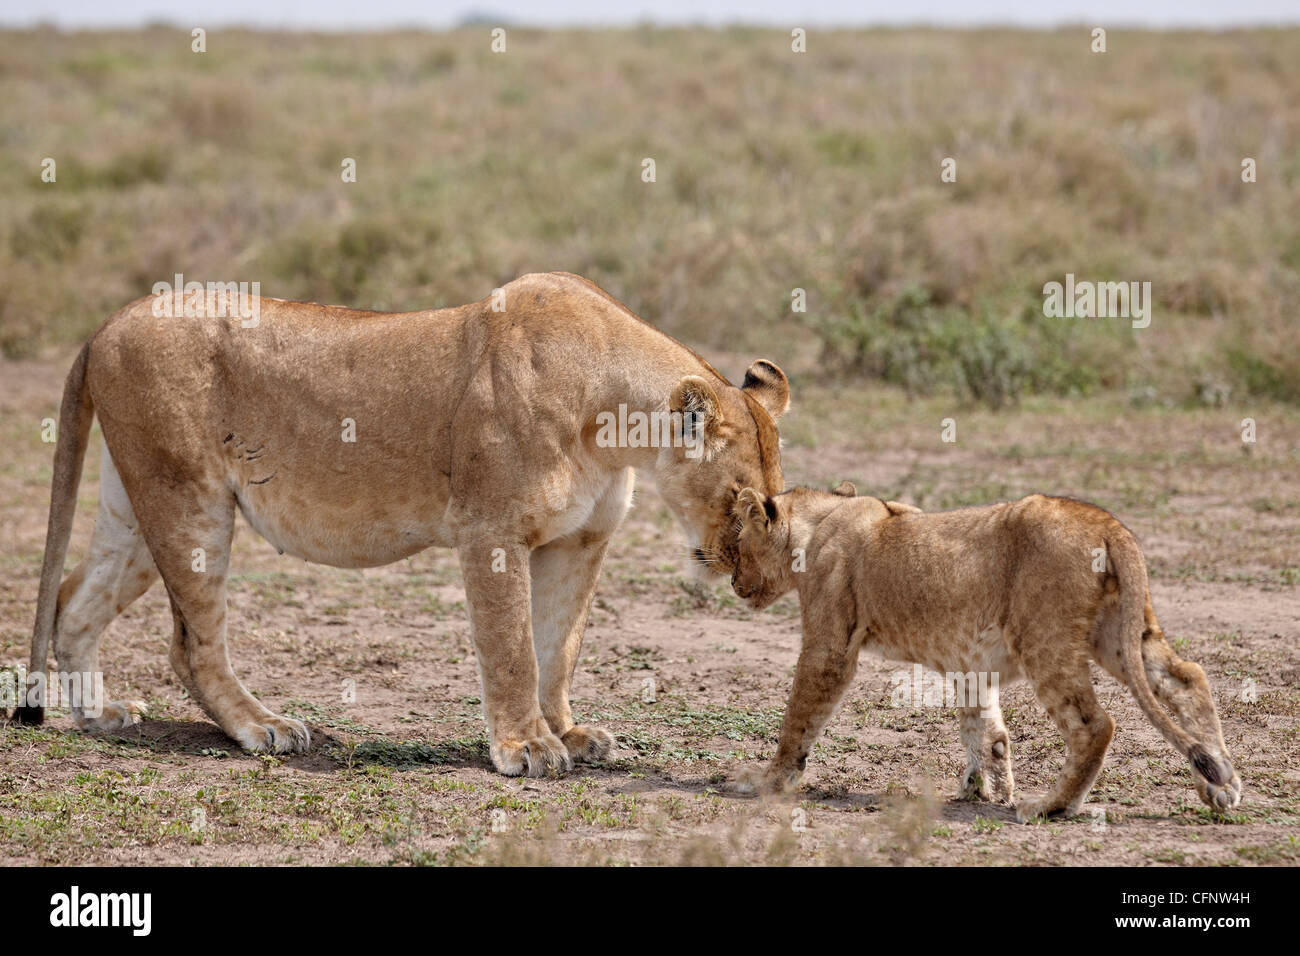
point(1008, 589)
point(475, 429)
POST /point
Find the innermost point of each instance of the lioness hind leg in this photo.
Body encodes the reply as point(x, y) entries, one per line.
point(1181, 686)
point(1058, 670)
point(189, 529)
point(988, 773)
point(117, 570)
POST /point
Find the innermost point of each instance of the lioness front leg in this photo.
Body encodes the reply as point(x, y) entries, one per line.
point(825, 669)
point(497, 590)
point(564, 575)
point(563, 582)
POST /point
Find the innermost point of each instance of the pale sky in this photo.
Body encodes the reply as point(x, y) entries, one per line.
point(387, 14)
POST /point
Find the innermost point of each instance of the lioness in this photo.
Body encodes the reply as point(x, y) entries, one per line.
point(1030, 588)
point(356, 439)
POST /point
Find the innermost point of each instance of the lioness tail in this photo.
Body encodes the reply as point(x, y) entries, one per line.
point(75, 416)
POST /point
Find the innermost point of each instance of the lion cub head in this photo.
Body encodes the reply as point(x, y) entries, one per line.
point(766, 555)
point(775, 531)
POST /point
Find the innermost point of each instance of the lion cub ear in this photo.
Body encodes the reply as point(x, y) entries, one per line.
point(767, 385)
point(898, 508)
point(845, 489)
point(695, 400)
point(755, 507)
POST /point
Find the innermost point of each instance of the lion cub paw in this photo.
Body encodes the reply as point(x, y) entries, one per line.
point(992, 786)
point(590, 744)
point(541, 756)
point(756, 782)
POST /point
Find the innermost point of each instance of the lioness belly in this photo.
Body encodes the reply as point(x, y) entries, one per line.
point(376, 526)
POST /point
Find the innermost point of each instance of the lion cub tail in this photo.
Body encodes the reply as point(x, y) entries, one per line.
point(1131, 570)
point(75, 416)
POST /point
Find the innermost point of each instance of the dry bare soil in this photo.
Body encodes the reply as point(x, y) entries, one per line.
point(692, 683)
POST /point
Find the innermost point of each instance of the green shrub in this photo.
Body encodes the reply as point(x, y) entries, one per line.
point(982, 354)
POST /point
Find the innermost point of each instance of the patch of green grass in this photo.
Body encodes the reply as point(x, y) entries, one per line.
point(1287, 851)
point(402, 755)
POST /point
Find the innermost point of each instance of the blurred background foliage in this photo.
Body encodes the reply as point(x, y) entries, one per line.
point(774, 171)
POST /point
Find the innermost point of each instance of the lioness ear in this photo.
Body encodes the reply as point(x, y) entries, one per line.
point(898, 508)
point(768, 386)
point(755, 507)
point(695, 400)
point(845, 489)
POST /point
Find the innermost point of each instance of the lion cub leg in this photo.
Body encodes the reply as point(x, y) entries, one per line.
point(827, 663)
point(1058, 670)
point(988, 773)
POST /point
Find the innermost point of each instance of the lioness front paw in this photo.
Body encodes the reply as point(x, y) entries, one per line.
point(115, 716)
point(584, 742)
point(273, 734)
point(539, 756)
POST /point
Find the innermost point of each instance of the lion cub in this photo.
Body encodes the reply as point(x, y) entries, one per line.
point(1030, 588)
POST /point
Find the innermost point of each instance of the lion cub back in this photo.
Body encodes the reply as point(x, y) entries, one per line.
point(960, 573)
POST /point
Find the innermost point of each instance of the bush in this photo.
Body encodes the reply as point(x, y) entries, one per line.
point(981, 354)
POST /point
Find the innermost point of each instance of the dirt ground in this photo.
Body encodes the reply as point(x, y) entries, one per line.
point(692, 683)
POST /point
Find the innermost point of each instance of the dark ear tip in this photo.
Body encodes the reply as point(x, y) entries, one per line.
point(762, 372)
point(845, 489)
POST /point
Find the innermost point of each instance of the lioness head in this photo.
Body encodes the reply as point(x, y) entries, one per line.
point(734, 445)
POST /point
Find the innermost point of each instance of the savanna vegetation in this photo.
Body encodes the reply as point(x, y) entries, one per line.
point(774, 171)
